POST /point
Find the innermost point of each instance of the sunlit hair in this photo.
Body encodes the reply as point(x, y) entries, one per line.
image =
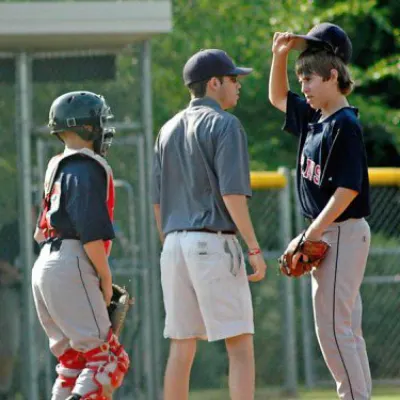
point(321, 62)
point(199, 89)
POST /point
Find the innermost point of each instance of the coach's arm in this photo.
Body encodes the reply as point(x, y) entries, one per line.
point(157, 214)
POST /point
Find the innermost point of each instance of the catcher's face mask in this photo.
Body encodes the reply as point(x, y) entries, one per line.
point(103, 142)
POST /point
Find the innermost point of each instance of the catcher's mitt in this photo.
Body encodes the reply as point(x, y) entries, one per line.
point(312, 253)
point(119, 306)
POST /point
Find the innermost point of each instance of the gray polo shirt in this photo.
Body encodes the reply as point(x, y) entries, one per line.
point(200, 155)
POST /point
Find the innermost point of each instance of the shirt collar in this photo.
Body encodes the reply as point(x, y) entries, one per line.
point(205, 101)
point(84, 150)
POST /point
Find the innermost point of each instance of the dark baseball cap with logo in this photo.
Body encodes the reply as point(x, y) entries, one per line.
point(207, 63)
point(329, 36)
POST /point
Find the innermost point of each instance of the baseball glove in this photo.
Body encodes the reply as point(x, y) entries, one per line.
point(312, 254)
point(118, 308)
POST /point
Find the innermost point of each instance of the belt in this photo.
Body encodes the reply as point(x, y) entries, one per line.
point(207, 231)
point(55, 240)
point(62, 236)
point(309, 221)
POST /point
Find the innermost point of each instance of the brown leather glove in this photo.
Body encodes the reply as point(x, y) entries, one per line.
point(118, 308)
point(311, 255)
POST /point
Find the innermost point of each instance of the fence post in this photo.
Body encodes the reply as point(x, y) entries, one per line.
point(154, 275)
point(23, 138)
point(146, 308)
point(288, 288)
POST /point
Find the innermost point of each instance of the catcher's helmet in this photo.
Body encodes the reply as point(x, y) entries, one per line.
point(85, 113)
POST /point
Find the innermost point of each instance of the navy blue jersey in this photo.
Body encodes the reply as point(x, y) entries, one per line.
point(82, 209)
point(331, 154)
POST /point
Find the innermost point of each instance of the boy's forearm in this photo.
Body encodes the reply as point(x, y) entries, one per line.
point(337, 204)
point(278, 81)
point(97, 255)
point(239, 212)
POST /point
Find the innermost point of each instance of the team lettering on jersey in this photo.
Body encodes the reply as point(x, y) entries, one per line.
point(310, 170)
point(52, 191)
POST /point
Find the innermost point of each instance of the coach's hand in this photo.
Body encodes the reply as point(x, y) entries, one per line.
point(257, 262)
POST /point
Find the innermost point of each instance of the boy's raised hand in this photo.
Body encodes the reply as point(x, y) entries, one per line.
point(282, 42)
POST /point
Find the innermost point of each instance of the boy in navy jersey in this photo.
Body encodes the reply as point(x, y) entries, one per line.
point(333, 191)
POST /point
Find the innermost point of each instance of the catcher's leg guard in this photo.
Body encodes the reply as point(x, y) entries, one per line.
point(109, 364)
point(70, 365)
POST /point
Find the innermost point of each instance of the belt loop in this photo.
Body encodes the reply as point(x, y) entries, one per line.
point(219, 233)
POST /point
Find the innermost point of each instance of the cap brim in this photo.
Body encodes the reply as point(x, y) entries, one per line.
point(301, 42)
point(242, 71)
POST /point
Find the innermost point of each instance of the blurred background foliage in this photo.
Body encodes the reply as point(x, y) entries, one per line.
point(245, 30)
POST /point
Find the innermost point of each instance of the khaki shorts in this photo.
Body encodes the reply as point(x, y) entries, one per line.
point(205, 287)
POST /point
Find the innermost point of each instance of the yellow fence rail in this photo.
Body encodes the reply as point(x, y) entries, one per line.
point(276, 179)
point(267, 179)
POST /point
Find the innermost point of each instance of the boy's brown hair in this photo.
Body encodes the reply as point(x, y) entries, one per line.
point(321, 62)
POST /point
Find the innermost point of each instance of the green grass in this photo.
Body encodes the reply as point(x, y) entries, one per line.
point(379, 393)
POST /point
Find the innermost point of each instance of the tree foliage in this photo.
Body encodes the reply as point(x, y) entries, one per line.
point(245, 30)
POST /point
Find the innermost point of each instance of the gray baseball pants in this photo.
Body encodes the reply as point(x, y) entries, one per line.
point(338, 308)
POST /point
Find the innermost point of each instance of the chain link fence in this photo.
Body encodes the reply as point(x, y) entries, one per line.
point(118, 78)
point(273, 298)
point(381, 286)
point(11, 314)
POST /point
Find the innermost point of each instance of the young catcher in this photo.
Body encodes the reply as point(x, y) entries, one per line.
point(71, 279)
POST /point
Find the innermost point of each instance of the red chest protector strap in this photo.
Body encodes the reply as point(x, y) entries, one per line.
point(51, 189)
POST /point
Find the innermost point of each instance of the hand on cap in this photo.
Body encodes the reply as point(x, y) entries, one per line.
point(282, 43)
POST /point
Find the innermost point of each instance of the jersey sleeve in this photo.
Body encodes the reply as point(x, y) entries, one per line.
point(231, 160)
point(345, 167)
point(298, 114)
point(85, 203)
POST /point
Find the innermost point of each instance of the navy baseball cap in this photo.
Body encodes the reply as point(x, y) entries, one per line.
point(329, 36)
point(208, 63)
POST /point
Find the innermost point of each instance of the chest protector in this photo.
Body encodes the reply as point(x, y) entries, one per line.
point(52, 191)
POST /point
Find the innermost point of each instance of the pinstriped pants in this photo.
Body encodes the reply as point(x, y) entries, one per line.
point(338, 308)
